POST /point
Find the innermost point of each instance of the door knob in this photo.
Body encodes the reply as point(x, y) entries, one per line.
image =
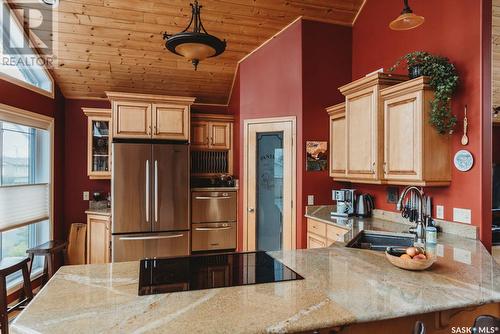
point(251, 210)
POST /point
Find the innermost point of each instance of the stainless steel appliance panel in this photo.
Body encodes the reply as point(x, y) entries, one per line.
point(134, 247)
point(170, 200)
point(212, 207)
point(213, 236)
point(131, 188)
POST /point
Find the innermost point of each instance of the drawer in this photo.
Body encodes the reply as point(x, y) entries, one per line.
point(316, 227)
point(213, 236)
point(334, 233)
point(315, 241)
point(214, 206)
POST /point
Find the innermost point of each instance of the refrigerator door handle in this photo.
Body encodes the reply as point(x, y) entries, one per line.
point(156, 191)
point(147, 191)
point(153, 237)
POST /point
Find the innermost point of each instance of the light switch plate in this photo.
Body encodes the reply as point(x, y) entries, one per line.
point(439, 212)
point(86, 196)
point(462, 215)
point(310, 199)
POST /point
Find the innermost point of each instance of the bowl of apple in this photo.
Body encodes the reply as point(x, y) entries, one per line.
point(411, 258)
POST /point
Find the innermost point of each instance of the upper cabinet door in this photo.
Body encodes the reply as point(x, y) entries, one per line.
point(337, 141)
point(403, 137)
point(170, 121)
point(131, 119)
point(199, 134)
point(361, 126)
point(220, 135)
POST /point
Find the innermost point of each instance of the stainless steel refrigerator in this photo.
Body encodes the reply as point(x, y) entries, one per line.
point(150, 198)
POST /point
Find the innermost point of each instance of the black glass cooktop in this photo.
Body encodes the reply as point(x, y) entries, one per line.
point(198, 272)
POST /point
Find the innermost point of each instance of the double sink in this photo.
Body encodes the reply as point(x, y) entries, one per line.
point(379, 241)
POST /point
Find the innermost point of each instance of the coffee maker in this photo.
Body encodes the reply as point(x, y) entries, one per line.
point(345, 199)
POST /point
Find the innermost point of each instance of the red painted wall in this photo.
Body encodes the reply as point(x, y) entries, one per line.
point(22, 98)
point(326, 64)
point(450, 30)
point(75, 163)
point(293, 75)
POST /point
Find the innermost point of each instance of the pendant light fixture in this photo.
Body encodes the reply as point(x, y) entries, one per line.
point(195, 45)
point(407, 20)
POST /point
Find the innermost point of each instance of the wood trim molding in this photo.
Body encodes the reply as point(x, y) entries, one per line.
point(150, 98)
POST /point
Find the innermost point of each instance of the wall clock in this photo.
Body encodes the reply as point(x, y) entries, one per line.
point(463, 160)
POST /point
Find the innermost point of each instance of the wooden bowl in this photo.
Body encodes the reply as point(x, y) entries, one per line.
point(410, 264)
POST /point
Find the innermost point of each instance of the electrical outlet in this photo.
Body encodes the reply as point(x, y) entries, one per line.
point(310, 199)
point(86, 196)
point(439, 212)
point(462, 215)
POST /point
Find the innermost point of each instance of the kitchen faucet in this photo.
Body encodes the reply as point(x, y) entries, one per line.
point(419, 217)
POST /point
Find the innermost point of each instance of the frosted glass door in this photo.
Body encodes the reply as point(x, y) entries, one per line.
point(269, 191)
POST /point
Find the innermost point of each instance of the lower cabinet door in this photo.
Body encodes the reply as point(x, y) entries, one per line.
point(315, 241)
point(98, 239)
point(134, 247)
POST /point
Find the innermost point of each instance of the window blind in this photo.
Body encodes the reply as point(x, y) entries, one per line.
point(23, 204)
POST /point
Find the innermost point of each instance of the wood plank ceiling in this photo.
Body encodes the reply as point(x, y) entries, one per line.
point(117, 44)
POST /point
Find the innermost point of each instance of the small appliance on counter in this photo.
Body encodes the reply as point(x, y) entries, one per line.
point(364, 205)
point(345, 199)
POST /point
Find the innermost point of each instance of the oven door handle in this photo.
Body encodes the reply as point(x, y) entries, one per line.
point(155, 237)
point(213, 228)
point(212, 197)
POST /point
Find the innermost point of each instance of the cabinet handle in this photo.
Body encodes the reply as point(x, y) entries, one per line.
point(212, 140)
point(207, 141)
point(155, 129)
point(385, 167)
point(147, 191)
point(149, 131)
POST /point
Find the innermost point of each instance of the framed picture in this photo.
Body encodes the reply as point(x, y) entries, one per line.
point(316, 155)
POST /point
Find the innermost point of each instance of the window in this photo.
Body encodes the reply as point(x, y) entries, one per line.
point(25, 196)
point(20, 68)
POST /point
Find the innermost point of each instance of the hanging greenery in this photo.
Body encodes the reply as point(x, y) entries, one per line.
point(443, 80)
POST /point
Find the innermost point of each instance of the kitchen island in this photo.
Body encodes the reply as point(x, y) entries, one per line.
point(343, 288)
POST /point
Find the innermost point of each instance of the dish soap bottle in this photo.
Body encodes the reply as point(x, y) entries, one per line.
point(431, 232)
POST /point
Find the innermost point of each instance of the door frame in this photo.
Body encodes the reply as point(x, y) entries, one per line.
point(246, 126)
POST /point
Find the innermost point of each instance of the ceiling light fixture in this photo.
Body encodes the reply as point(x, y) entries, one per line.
point(195, 45)
point(407, 20)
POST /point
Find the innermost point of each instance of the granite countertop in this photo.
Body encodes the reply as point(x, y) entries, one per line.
point(341, 286)
point(99, 211)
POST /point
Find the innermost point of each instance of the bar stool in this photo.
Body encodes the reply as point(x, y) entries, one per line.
point(9, 266)
point(47, 250)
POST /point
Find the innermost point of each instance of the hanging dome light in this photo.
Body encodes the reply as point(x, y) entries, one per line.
point(407, 20)
point(194, 45)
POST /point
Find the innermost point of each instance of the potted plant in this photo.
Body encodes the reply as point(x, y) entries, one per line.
point(443, 80)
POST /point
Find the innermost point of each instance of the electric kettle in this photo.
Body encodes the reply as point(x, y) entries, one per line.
point(364, 205)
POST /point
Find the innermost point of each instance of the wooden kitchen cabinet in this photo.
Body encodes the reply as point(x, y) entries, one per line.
point(364, 118)
point(99, 138)
point(414, 152)
point(337, 141)
point(211, 131)
point(170, 121)
point(98, 238)
point(199, 134)
point(211, 144)
point(144, 116)
point(321, 234)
